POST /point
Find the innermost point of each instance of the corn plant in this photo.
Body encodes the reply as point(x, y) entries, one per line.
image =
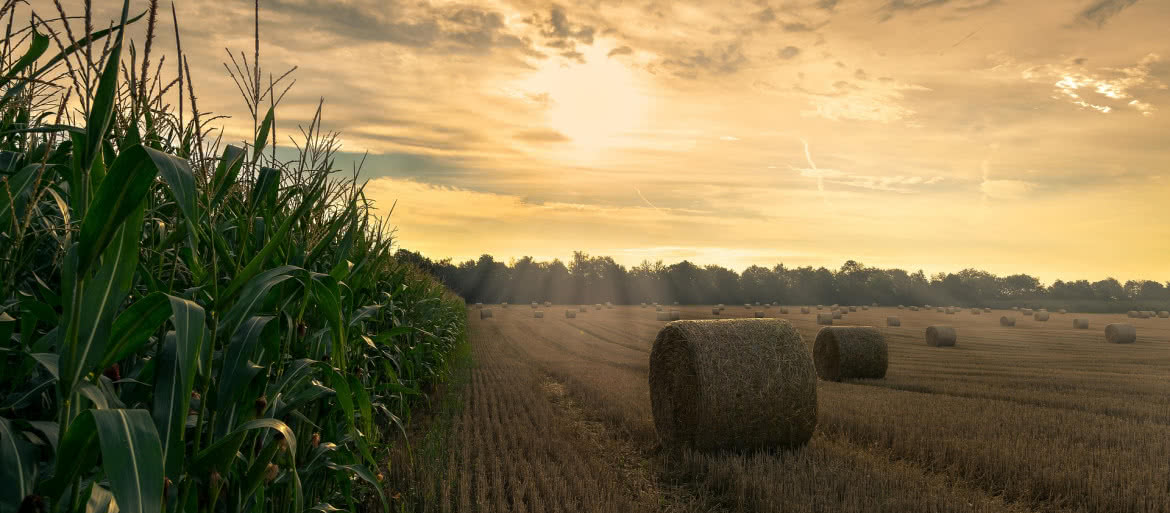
point(187, 325)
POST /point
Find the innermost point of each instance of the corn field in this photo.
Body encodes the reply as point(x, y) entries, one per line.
point(185, 324)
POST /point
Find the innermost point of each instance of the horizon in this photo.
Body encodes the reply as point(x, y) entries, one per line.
point(933, 135)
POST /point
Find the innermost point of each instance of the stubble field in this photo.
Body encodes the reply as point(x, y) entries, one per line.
point(1038, 417)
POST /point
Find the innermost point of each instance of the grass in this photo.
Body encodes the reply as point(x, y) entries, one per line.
point(1039, 417)
point(185, 323)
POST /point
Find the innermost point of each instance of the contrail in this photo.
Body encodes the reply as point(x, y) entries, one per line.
point(646, 200)
point(813, 165)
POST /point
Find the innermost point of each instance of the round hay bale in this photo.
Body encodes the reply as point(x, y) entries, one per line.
point(836, 314)
point(853, 309)
point(938, 309)
point(865, 307)
point(940, 336)
point(715, 311)
point(504, 305)
point(662, 316)
point(597, 307)
point(850, 352)
point(901, 307)
point(1164, 314)
point(1016, 308)
point(1026, 311)
point(834, 305)
point(1132, 314)
point(1143, 315)
point(893, 321)
point(1041, 316)
point(820, 307)
point(534, 305)
point(988, 310)
point(547, 304)
point(485, 313)
point(1062, 310)
point(1118, 333)
point(737, 384)
point(674, 315)
point(539, 314)
point(1080, 324)
point(747, 306)
point(951, 311)
point(642, 305)
point(825, 319)
point(804, 310)
point(582, 309)
point(759, 315)
point(926, 307)
point(1007, 321)
point(479, 305)
point(784, 310)
point(914, 309)
point(570, 314)
point(658, 308)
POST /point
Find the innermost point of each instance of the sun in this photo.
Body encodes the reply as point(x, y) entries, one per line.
point(594, 103)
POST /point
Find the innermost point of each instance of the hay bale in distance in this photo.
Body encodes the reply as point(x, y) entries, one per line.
point(662, 316)
point(674, 315)
point(1143, 314)
point(926, 307)
point(534, 305)
point(1062, 310)
point(893, 321)
point(784, 310)
point(976, 311)
point(865, 307)
point(547, 304)
point(736, 384)
point(938, 309)
point(804, 309)
point(1080, 324)
point(836, 314)
point(479, 305)
point(1041, 316)
point(940, 336)
point(901, 307)
point(759, 315)
point(850, 352)
point(1132, 314)
point(1118, 333)
point(853, 309)
point(1164, 314)
point(582, 309)
point(485, 313)
point(1016, 308)
point(1026, 311)
point(597, 306)
point(715, 311)
point(1007, 321)
point(820, 307)
point(825, 319)
point(658, 308)
point(539, 314)
point(570, 314)
point(988, 310)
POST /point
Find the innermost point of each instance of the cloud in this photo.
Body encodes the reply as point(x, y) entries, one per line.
point(721, 59)
point(788, 52)
point(621, 50)
point(894, 7)
point(1106, 90)
point(559, 32)
point(1100, 12)
point(1006, 189)
point(541, 136)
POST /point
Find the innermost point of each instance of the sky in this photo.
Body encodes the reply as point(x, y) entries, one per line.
point(1010, 136)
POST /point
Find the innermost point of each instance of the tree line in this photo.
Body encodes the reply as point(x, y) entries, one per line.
point(587, 279)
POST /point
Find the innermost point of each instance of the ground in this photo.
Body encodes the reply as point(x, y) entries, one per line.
point(1038, 417)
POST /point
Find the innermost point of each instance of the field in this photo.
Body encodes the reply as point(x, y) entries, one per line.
point(1040, 417)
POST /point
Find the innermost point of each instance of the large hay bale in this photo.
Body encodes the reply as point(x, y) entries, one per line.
point(662, 316)
point(715, 310)
point(893, 321)
point(674, 315)
point(951, 311)
point(539, 314)
point(914, 309)
point(1143, 314)
point(836, 314)
point(582, 309)
point(901, 307)
point(597, 306)
point(747, 306)
point(641, 305)
point(835, 305)
point(940, 336)
point(820, 307)
point(784, 310)
point(479, 305)
point(1041, 316)
point(1080, 324)
point(658, 308)
point(825, 319)
point(850, 352)
point(1026, 311)
point(1007, 321)
point(1132, 314)
point(804, 310)
point(1164, 314)
point(759, 315)
point(853, 309)
point(485, 313)
point(570, 314)
point(1118, 333)
point(737, 384)
point(865, 307)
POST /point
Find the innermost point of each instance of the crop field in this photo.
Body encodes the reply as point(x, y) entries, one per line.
point(556, 416)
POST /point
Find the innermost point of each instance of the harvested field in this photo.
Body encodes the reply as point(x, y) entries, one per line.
point(1037, 417)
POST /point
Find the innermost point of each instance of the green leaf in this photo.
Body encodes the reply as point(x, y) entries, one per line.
point(265, 188)
point(134, 326)
point(101, 111)
point(175, 380)
point(364, 473)
point(101, 501)
point(226, 172)
point(36, 47)
point(328, 296)
point(120, 195)
point(236, 372)
point(254, 294)
point(132, 458)
point(14, 193)
point(176, 172)
point(18, 463)
point(222, 451)
point(262, 135)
